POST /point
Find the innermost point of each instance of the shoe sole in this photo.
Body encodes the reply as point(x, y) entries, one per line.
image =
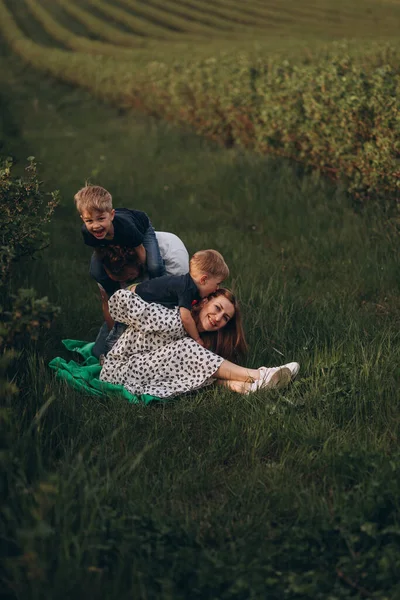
point(294, 375)
point(280, 379)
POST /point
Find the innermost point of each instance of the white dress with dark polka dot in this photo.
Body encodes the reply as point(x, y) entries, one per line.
point(155, 355)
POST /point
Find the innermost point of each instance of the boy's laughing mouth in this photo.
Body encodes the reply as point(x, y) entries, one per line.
point(100, 233)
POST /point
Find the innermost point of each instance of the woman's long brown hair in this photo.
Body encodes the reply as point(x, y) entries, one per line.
point(230, 341)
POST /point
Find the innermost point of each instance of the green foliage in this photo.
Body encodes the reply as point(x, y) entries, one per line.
point(338, 114)
point(25, 213)
point(27, 315)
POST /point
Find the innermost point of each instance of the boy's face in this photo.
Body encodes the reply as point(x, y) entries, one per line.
point(99, 223)
point(208, 285)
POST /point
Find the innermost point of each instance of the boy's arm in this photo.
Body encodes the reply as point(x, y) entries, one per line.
point(190, 325)
point(141, 254)
point(106, 312)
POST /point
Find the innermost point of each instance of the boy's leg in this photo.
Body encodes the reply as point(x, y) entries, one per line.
point(98, 273)
point(99, 347)
point(154, 261)
point(114, 335)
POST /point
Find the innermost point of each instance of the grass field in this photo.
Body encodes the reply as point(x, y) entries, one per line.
point(290, 494)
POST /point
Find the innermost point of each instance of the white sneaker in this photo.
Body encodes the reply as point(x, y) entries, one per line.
point(275, 377)
point(294, 368)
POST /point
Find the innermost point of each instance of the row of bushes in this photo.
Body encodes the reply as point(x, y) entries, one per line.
point(337, 112)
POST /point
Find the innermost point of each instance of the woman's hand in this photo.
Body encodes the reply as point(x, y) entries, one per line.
point(199, 341)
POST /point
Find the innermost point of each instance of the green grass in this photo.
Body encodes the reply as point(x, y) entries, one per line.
point(213, 495)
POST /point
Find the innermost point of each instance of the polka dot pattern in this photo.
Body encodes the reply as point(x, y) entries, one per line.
point(154, 355)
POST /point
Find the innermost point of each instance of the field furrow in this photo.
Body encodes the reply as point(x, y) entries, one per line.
point(345, 14)
point(55, 10)
point(271, 10)
point(303, 8)
point(249, 10)
point(339, 20)
point(272, 19)
point(194, 12)
point(220, 12)
point(75, 42)
point(29, 28)
point(191, 16)
point(100, 27)
point(148, 51)
point(103, 76)
point(159, 16)
point(239, 10)
point(292, 18)
point(138, 25)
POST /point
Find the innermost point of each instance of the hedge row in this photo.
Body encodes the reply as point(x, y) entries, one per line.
point(339, 114)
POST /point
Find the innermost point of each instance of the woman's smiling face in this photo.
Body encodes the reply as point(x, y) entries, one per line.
point(215, 313)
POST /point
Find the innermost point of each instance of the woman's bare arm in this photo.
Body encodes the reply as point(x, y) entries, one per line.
point(104, 305)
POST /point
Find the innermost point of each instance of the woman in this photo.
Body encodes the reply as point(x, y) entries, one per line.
point(155, 356)
point(121, 265)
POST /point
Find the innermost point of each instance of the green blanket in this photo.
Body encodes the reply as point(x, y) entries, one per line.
point(84, 376)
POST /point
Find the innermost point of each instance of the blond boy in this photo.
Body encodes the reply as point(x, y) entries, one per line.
point(105, 226)
point(207, 270)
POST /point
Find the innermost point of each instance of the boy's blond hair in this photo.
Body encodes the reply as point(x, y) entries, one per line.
point(93, 197)
point(209, 262)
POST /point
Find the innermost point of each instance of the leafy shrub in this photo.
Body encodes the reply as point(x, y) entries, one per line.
point(25, 212)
